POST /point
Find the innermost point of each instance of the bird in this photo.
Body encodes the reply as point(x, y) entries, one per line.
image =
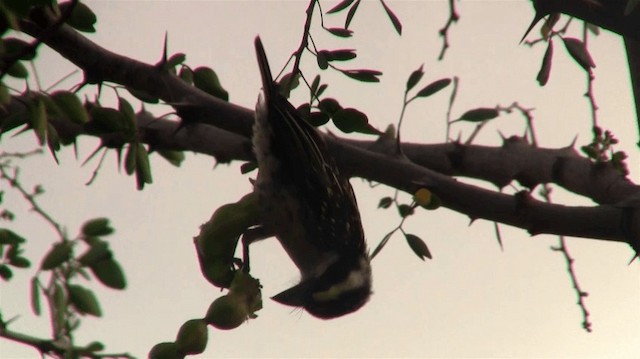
point(309, 207)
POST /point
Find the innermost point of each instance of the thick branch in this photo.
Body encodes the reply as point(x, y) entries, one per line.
point(195, 106)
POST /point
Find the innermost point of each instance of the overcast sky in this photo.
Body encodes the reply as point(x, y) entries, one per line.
point(471, 300)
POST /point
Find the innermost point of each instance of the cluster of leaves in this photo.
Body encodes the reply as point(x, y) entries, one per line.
point(353, 8)
point(601, 151)
point(422, 198)
point(11, 253)
point(64, 266)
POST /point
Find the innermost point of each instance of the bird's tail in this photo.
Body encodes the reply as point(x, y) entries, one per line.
point(265, 72)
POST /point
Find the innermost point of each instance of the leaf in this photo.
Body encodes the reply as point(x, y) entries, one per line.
point(143, 168)
point(58, 254)
point(142, 95)
point(5, 272)
point(84, 300)
point(35, 296)
point(129, 115)
point(186, 75)
point(130, 159)
point(207, 80)
point(107, 120)
point(288, 83)
point(340, 6)
point(351, 13)
point(19, 262)
point(341, 55)
point(329, 106)
point(18, 70)
point(5, 96)
point(175, 59)
point(323, 62)
point(350, 120)
point(479, 114)
point(363, 75)
point(318, 118)
point(385, 202)
point(14, 47)
point(174, 157)
point(81, 18)
point(71, 106)
point(433, 87)
point(9, 237)
point(314, 86)
point(414, 78)
point(98, 250)
point(321, 89)
point(405, 210)
point(97, 227)
point(394, 19)
point(545, 69)
point(579, 52)
point(340, 32)
point(418, 246)
point(38, 119)
point(382, 243)
point(109, 273)
point(53, 141)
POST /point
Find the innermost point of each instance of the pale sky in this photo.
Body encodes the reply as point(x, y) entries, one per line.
point(471, 300)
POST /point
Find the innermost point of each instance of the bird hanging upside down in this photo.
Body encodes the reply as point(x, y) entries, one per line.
point(309, 206)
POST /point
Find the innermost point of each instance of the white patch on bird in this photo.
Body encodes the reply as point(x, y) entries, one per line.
point(357, 278)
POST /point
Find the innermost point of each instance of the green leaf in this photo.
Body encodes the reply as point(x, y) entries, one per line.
point(143, 96)
point(129, 115)
point(107, 120)
point(9, 237)
point(175, 59)
point(288, 83)
point(19, 262)
point(174, 157)
point(130, 159)
point(363, 75)
point(18, 70)
point(433, 87)
point(38, 119)
point(382, 243)
point(84, 300)
point(631, 5)
point(35, 296)
point(18, 7)
point(97, 227)
point(414, 78)
point(186, 75)
point(5, 96)
point(53, 141)
point(248, 167)
point(578, 51)
point(545, 69)
point(385, 202)
point(13, 47)
point(71, 106)
point(81, 18)
point(323, 62)
point(98, 250)
point(479, 115)
point(5, 272)
point(350, 120)
point(58, 254)
point(318, 118)
point(329, 106)
point(340, 32)
point(405, 210)
point(207, 80)
point(340, 55)
point(109, 273)
point(94, 347)
point(340, 6)
point(143, 168)
point(394, 19)
point(350, 14)
point(418, 246)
